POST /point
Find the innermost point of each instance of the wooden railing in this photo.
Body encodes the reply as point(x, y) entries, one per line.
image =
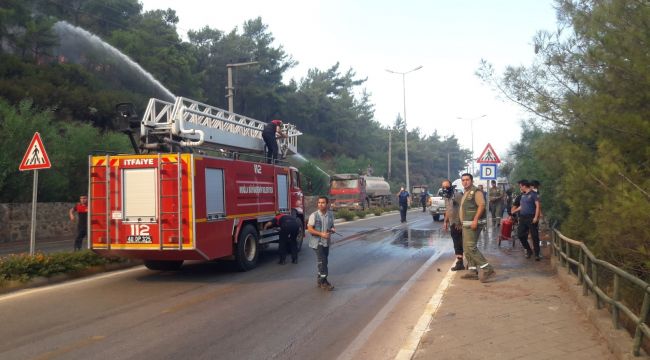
point(574, 252)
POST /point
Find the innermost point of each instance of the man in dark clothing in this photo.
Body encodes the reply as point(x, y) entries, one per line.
point(423, 199)
point(403, 197)
point(289, 229)
point(529, 211)
point(81, 208)
point(269, 136)
point(452, 221)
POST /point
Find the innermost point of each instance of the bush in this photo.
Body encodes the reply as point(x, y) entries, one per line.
point(360, 214)
point(23, 267)
point(378, 211)
point(345, 214)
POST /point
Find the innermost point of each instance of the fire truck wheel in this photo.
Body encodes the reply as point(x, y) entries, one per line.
point(247, 248)
point(163, 265)
point(301, 234)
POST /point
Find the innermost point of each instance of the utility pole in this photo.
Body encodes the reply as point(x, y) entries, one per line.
point(390, 132)
point(448, 171)
point(231, 93)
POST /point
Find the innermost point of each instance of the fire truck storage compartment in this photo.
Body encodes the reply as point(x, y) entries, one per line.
point(283, 193)
point(214, 194)
point(140, 193)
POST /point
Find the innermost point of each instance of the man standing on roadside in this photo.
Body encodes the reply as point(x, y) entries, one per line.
point(529, 211)
point(452, 221)
point(496, 202)
point(321, 226)
point(403, 197)
point(81, 208)
point(472, 214)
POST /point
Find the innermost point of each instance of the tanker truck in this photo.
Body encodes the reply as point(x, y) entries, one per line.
point(358, 192)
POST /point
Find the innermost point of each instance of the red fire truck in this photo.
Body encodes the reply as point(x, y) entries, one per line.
point(196, 188)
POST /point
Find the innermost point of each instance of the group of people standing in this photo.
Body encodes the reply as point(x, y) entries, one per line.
point(465, 218)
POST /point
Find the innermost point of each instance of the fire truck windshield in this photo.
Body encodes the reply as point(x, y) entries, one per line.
point(344, 184)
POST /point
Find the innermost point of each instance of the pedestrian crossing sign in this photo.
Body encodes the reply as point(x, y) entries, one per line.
point(488, 156)
point(35, 158)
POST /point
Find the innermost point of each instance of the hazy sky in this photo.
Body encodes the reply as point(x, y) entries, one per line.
point(447, 38)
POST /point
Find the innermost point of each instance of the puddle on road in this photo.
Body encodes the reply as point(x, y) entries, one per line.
point(417, 238)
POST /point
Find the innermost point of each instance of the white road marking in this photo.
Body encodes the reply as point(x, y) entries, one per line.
point(410, 346)
point(364, 335)
point(68, 283)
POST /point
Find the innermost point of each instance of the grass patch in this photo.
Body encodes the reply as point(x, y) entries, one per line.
point(345, 214)
point(24, 267)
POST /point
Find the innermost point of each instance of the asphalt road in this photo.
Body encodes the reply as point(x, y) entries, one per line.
point(209, 310)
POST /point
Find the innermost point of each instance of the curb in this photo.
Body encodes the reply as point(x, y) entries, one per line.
point(16, 285)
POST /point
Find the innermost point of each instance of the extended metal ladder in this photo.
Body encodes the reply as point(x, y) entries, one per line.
point(197, 123)
point(171, 204)
point(99, 182)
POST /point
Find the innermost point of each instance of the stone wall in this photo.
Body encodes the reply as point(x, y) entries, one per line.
point(52, 221)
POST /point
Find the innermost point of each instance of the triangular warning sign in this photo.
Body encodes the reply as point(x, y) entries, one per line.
point(35, 158)
point(488, 156)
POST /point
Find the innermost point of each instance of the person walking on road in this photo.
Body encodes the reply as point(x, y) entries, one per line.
point(424, 197)
point(529, 212)
point(452, 221)
point(321, 226)
point(269, 136)
point(496, 202)
point(403, 197)
point(81, 208)
point(472, 213)
point(289, 229)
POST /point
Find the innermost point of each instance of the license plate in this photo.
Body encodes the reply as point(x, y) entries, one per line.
point(139, 239)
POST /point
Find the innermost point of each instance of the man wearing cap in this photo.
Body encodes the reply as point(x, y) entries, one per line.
point(269, 136)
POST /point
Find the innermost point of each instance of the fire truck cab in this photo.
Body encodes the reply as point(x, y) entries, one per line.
point(196, 189)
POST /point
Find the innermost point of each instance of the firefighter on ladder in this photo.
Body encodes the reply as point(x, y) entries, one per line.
point(271, 131)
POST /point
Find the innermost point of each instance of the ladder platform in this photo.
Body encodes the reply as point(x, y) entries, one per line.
point(196, 124)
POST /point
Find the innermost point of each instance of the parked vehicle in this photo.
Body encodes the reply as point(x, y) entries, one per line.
point(437, 206)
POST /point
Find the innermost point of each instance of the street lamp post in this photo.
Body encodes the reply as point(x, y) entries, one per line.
point(471, 127)
point(230, 88)
point(406, 150)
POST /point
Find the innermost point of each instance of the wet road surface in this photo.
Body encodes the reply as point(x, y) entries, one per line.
point(209, 310)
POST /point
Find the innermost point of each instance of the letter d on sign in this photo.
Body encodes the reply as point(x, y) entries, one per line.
point(488, 171)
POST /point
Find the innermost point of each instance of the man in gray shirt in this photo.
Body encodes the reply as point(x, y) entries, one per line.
point(321, 226)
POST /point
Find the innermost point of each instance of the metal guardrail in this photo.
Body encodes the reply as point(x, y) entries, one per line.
point(588, 268)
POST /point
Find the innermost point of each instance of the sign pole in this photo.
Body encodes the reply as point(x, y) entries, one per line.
point(32, 236)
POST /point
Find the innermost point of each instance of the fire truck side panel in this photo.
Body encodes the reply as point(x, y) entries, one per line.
point(252, 191)
point(214, 230)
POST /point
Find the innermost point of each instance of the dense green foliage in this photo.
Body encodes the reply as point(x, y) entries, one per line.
point(76, 81)
point(67, 145)
point(23, 267)
point(590, 146)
